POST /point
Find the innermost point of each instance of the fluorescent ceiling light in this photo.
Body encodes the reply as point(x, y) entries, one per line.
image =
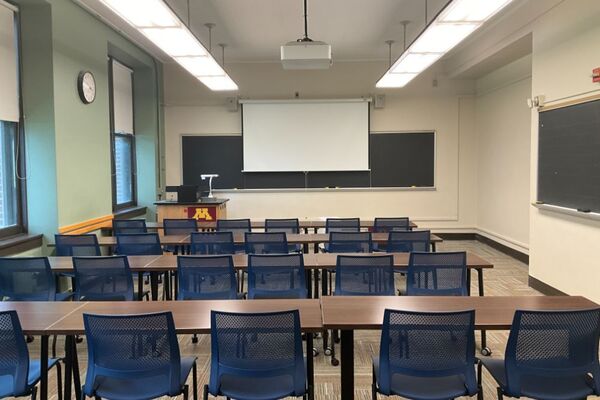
point(472, 10)
point(395, 80)
point(144, 13)
point(156, 20)
point(414, 62)
point(441, 38)
point(218, 83)
point(457, 20)
point(201, 66)
point(176, 42)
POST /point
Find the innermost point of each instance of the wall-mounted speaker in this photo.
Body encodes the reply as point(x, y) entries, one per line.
point(232, 104)
point(379, 101)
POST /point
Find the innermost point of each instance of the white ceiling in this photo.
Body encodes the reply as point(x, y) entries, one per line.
point(254, 29)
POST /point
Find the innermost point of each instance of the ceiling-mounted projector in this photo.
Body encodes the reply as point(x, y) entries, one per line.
point(306, 53)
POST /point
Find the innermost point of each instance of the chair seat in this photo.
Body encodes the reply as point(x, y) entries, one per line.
point(547, 388)
point(425, 388)
point(6, 381)
point(252, 388)
point(138, 389)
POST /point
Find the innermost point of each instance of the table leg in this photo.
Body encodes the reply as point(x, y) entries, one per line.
point(154, 285)
point(324, 279)
point(469, 281)
point(308, 277)
point(68, 366)
point(167, 283)
point(140, 286)
point(347, 367)
point(310, 369)
point(76, 377)
point(480, 281)
point(316, 283)
point(44, 368)
point(433, 247)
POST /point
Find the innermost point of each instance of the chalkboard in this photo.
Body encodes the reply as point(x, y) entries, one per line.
point(569, 157)
point(401, 159)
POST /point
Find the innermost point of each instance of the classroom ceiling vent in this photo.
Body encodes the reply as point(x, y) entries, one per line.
point(306, 53)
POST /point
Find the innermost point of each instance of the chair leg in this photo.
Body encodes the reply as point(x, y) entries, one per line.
point(479, 380)
point(186, 390)
point(59, 380)
point(205, 393)
point(194, 381)
point(54, 346)
point(33, 393)
point(374, 386)
point(82, 397)
point(500, 394)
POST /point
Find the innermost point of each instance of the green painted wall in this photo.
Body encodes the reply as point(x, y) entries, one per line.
point(68, 143)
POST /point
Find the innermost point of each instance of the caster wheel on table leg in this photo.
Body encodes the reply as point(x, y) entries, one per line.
point(30, 339)
point(486, 351)
point(315, 352)
point(328, 351)
point(194, 339)
point(335, 362)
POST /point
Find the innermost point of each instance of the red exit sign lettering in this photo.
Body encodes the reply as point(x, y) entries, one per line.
point(596, 75)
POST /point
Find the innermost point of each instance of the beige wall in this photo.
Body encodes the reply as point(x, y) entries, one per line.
point(503, 123)
point(565, 50)
point(448, 109)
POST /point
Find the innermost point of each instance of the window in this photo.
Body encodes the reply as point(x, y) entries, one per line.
point(11, 183)
point(123, 138)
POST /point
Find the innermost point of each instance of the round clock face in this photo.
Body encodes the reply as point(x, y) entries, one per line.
point(86, 85)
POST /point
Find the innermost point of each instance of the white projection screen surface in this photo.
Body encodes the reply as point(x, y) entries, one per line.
point(313, 135)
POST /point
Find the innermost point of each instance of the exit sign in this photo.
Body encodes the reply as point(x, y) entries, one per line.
point(596, 75)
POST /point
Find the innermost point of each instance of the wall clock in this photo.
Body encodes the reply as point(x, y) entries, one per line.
point(86, 86)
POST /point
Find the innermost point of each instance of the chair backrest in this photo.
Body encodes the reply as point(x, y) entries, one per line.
point(14, 356)
point(276, 276)
point(342, 225)
point(409, 241)
point(138, 244)
point(350, 242)
point(291, 225)
point(234, 225)
point(212, 243)
point(266, 243)
point(206, 277)
point(129, 226)
point(553, 344)
point(364, 276)
point(437, 274)
point(133, 347)
point(427, 345)
point(180, 226)
point(103, 278)
point(26, 279)
point(258, 345)
point(77, 245)
point(391, 224)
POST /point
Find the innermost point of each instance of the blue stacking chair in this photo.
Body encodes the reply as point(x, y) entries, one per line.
point(342, 225)
point(426, 355)
point(437, 274)
point(28, 279)
point(18, 374)
point(206, 278)
point(77, 245)
point(135, 357)
point(350, 242)
point(235, 226)
point(138, 244)
point(212, 243)
point(256, 356)
point(288, 225)
point(550, 355)
point(266, 243)
point(179, 227)
point(276, 276)
point(103, 279)
point(391, 224)
point(364, 276)
point(129, 226)
point(409, 241)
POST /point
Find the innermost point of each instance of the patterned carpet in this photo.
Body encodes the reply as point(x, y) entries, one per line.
point(509, 277)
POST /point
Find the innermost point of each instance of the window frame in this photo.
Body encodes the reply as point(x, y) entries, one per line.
point(113, 135)
point(20, 227)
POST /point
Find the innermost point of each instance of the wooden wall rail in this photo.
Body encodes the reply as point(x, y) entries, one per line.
point(87, 226)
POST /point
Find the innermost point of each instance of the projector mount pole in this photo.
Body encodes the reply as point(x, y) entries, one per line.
point(305, 38)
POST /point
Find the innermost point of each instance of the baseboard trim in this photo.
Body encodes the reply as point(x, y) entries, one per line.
point(544, 288)
point(524, 258)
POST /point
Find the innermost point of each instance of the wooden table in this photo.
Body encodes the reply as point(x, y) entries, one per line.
point(312, 261)
point(66, 318)
point(491, 313)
